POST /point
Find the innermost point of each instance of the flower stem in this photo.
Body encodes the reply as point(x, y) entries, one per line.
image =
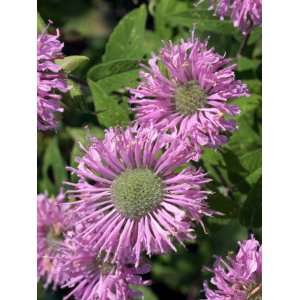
point(243, 45)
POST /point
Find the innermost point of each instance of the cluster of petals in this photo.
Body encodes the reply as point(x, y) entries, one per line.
point(238, 278)
point(245, 14)
point(177, 65)
point(90, 278)
point(52, 225)
point(183, 201)
point(51, 82)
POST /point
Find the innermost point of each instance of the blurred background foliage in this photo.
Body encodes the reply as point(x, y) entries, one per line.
point(106, 41)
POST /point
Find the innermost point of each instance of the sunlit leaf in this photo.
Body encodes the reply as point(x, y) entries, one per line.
point(128, 36)
point(109, 112)
point(40, 24)
point(71, 63)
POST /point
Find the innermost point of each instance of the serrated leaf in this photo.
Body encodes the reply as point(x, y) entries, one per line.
point(115, 67)
point(250, 213)
point(248, 103)
point(71, 63)
point(254, 176)
point(223, 204)
point(126, 41)
point(109, 112)
point(236, 171)
point(254, 86)
point(226, 236)
point(255, 36)
point(75, 100)
point(245, 64)
point(213, 157)
point(41, 25)
point(118, 82)
point(251, 161)
point(54, 172)
point(245, 139)
point(204, 23)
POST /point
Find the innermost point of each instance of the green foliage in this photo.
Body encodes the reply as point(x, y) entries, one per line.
point(250, 214)
point(108, 70)
point(163, 10)
point(53, 170)
point(105, 49)
point(40, 24)
point(127, 37)
point(71, 63)
point(115, 75)
point(108, 110)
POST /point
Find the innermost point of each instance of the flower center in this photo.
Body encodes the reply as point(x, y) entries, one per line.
point(189, 97)
point(104, 267)
point(136, 192)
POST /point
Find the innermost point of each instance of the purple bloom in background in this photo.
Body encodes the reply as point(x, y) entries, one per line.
point(51, 81)
point(136, 193)
point(91, 278)
point(245, 14)
point(238, 278)
point(52, 225)
point(187, 87)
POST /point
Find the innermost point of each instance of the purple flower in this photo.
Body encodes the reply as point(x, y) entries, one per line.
point(136, 193)
point(187, 87)
point(52, 225)
point(92, 278)
point(238, 278)
point(51, 81)
point(245, 14)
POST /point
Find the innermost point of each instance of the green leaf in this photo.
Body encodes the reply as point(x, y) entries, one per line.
point(152, 42)
point(250, 214)
point(204, 22)
point(127, 39)
point(254, 176)
point(251, 161)
point(115, 67)
point(40, 24)
point(163, 9)
point(245, 64)
point(109, 112)
point(54, 172)
point(119, 82)
point(40, 292)
point(71, 63)
point(223, 204)
point(212, 156)
point(247, 104)
point(225, 236)
point(75, 100)
point(254, 86)
point(81, 135)
point(245, 139)
point(236, 171)
point(255, 36)
point(213, 163)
